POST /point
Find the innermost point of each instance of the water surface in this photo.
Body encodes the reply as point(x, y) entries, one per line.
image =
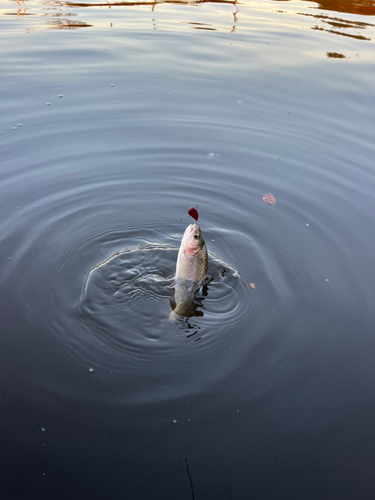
point(115, 117)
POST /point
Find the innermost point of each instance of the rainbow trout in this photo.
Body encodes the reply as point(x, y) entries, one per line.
point(191, 269)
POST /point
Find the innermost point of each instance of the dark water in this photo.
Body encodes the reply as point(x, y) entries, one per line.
point(114, 119)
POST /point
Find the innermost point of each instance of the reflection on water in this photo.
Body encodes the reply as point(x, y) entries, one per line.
point(241, 12)
point(360, 7)
point(335, 55)
point(335, 24)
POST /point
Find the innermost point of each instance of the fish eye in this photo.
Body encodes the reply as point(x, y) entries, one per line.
point(196, 236)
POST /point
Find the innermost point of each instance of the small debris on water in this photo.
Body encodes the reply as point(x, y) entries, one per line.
point(269, 198)
point(252, 285)
point(20, 124)
point(60, 96)
point(112, 84)
point(223, 272)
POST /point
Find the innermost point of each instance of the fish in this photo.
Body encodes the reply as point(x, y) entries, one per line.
point(191, 271)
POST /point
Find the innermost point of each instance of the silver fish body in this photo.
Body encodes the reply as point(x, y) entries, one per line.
point(191, 269)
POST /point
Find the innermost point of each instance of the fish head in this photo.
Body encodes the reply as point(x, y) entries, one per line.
point(192, 240)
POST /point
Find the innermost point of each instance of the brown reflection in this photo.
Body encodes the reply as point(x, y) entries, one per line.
point(68, 24)
point(60, 20)
point(362, 7)
point(199, 26)
point(153, 4)
point(339, 26)
point(142, 4)
point(333, 24)
point(336, 55)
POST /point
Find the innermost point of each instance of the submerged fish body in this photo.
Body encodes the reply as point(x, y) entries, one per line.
point(191, 269)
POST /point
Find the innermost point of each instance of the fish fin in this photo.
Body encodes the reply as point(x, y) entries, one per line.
point(205, 281)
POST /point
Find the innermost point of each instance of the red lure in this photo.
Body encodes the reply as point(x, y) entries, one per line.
point(193, 213)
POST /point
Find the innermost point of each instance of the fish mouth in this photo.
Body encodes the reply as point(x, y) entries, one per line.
point(191, 244)
point(191, 230)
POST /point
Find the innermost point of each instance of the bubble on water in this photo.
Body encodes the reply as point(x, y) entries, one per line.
point(43, 429)
point(175, 421)
point(14, 128)
point(60, 95)
point(307, 225)
point(20, 124)
point(112, 84)
point(91, 370)
point(48, 104)
point(169, 93)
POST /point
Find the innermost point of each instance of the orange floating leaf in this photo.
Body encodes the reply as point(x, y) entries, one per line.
point(252, 285)
point(269, 198)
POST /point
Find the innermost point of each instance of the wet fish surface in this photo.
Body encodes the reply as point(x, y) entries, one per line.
point(191, 271)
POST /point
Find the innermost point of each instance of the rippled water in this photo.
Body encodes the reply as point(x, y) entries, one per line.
point(115, 118)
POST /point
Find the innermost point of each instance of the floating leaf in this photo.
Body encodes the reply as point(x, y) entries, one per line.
point(269, 198)
point(252, 285)
point(193, 213)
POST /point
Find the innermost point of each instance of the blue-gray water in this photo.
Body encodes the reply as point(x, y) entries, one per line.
point(114, 120)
